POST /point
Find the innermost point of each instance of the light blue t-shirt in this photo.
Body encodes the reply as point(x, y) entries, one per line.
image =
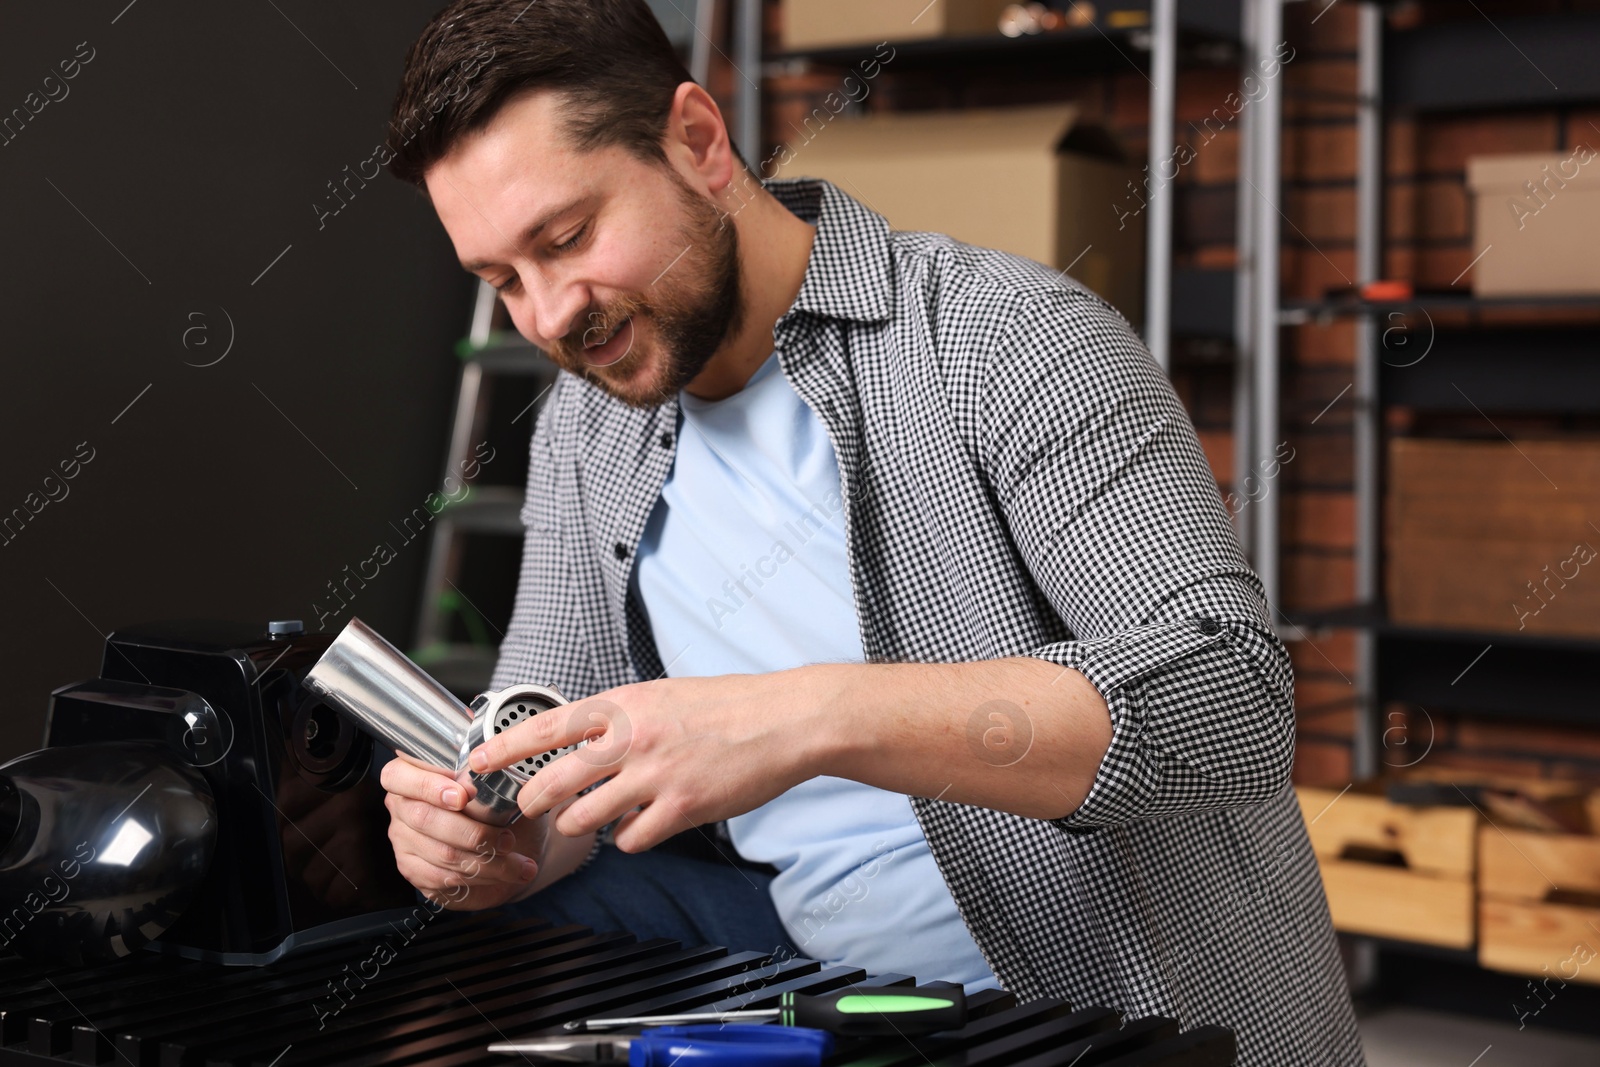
point(742, 569)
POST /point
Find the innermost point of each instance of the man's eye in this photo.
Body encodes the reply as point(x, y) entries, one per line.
point(506, 287)
point(572, 242)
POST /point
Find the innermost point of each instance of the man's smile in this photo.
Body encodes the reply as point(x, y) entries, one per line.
point(605, 352)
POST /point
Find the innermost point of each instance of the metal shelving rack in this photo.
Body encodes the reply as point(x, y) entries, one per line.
point(1259, 316)
point(1431, 69)
point(1177, 303)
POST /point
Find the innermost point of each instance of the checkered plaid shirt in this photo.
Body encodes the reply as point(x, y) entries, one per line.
point(1020, 479)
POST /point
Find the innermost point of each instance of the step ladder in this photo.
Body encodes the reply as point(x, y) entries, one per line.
point(489, 354)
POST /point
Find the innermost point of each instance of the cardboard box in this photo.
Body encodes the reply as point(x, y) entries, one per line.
point(1540, 216)
point(1487, 535)
point(826, 23)
point(1033, 181)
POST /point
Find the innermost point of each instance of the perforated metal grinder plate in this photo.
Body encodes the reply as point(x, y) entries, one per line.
point(518, 708)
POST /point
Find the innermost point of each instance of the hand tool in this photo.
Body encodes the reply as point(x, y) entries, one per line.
point(736, 1046)
point(848, 1012)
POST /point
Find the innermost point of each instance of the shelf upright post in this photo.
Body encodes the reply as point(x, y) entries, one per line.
point(1365, 427)
point(1250, 133)
point(747, 75)
point(1366, 430)
point(1158, 225)
point(1265, 168)
point(485, 304)
point(705, 24)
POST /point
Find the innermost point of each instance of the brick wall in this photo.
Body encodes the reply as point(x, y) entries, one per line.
point(1429, 242)
point(1317, 507)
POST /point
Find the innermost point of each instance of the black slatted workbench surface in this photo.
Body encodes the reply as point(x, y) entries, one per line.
point(439, 991)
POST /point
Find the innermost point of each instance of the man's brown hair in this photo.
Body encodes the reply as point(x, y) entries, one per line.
point(610, 58)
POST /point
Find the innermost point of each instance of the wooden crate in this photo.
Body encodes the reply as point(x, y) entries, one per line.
point(1478, 537)
point(1430, 899)
point(1539, 903)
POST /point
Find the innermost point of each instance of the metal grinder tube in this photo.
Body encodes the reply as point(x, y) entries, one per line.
point(397, 701)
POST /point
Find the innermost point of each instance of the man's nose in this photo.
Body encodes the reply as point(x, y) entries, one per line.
point(554, 308)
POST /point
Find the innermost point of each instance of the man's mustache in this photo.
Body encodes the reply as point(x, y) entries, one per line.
point(597, 326)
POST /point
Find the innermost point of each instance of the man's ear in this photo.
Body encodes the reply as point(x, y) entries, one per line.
point(697, 139)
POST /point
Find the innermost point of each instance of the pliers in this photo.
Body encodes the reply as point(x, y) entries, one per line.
point(733, 1044)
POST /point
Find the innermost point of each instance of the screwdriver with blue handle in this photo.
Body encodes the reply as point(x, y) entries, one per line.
point(848, 1013)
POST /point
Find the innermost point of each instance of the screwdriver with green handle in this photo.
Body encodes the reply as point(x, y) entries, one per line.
point(848, 1013)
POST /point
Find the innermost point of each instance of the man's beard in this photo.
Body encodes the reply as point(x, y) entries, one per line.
point(693, 306)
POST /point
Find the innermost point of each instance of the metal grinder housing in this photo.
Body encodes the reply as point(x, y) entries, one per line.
point(390, 696)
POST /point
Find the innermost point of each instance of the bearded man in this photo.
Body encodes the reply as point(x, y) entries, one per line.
point(888, 566)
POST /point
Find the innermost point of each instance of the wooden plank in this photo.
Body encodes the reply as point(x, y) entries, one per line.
point(1545, 789)
point(1393, 902)
point(1537, 516)
point(1549, 586)
point(1479, 470)
point(1529, 866)
point(1525, 938)
point(1433, 840)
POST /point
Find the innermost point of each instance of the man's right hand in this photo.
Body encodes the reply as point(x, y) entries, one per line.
point(454, 859)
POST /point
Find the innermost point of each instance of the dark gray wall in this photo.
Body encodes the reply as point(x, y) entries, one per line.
point(185, 157)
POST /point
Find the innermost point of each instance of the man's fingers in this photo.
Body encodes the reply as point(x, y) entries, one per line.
point(494, 866)
point(448, 827)
point(448, 865)
point(611, 801)
point(531, 737)
point(564, 778)
point(446, 887)
point(598, 721)
point(411, 778)
point(647, 828)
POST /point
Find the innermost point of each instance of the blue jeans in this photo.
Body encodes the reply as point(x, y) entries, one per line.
point(662, 894)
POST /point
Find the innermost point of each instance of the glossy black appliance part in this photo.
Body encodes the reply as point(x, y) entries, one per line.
point(103, 850)
point(302, 854)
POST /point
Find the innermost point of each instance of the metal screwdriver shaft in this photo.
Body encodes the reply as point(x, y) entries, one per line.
point(847, 1013)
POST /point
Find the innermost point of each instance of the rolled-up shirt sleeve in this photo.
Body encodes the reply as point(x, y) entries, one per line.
point(1115, 511)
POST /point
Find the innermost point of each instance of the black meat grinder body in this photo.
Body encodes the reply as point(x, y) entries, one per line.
point(258, 804)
